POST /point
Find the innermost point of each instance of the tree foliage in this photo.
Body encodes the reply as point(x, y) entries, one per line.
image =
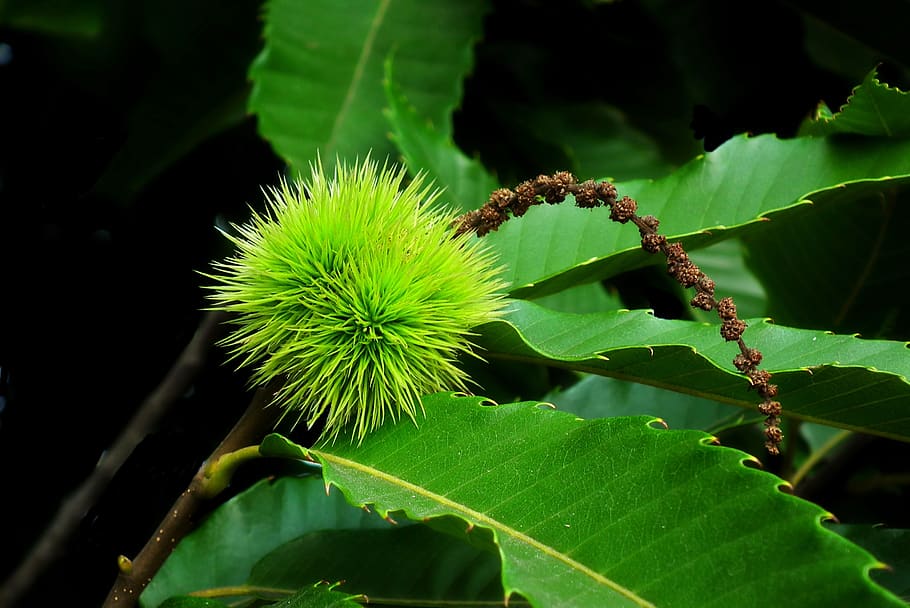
point(613, 454)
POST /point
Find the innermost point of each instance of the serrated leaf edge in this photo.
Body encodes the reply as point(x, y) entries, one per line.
point(473, 518)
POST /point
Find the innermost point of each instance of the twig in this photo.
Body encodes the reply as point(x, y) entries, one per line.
point(504, 203)
point(135, 575)
point(72, 510)
point(816, 457)
point(835, 467)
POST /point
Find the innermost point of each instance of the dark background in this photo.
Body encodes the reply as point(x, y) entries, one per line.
point(124, 139)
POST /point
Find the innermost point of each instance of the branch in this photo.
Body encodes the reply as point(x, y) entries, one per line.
point(135, 575)
point(504, 203)
point(72, 510)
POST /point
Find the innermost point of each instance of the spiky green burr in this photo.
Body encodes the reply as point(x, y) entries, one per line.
point(354, 292)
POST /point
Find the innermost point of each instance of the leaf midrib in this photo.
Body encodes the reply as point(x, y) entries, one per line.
point(357, 76)
point(477, 517)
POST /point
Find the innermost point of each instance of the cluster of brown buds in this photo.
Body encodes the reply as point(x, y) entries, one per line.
point(504, 203)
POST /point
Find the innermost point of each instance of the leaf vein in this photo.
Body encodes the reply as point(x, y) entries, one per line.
point(483, 519)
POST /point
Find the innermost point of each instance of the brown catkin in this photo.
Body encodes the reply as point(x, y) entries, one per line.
point(726, 309)
point(622, 210)
point(702, 300)
point(589, 194)
point(732, 329)
point(653, 242)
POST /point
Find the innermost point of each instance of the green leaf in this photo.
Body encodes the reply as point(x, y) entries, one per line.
point(839, 267)
point(878, 25)
point(320, 595)
point(873, 108)
point(608, 512)
point(223, 550)
point(589, 297)
point(838, 52)
point(599, 397)
point(424, 148)
point(817, 436)
point(317, 85)
point(191, 602)
point(891, 545)
point(71, 18)
point(590, 139)
point(833, 379)
point(428, 565)
point(725, 263)
point(278, 446)
point(707, 200)
point(185, 102)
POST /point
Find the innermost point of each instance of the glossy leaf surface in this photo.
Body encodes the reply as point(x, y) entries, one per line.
point(610, 512)
point(710, 198)
point(833, 379)
point(319, 595)
point(429, 148)
point(874, 108)
point(318, 81)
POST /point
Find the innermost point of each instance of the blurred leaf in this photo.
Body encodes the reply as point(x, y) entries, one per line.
point(874, 108)
point(188, 96)
point(833, 379)
point(839, 267)
point(407, 564)
point(510, 381)
point(317, 85)
point(709, 199)
point(599, 397)
point(817, 435)
point(589, 297)
point(191, 602)
point(223, 550)
point(877, 24)
point(320, 595)
point(838, 52)
point(80, 18)
point(175, 117)
point(430, 149)
point(589, 139)
point(669, 521)
point(725, 263)
point(624, 68)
